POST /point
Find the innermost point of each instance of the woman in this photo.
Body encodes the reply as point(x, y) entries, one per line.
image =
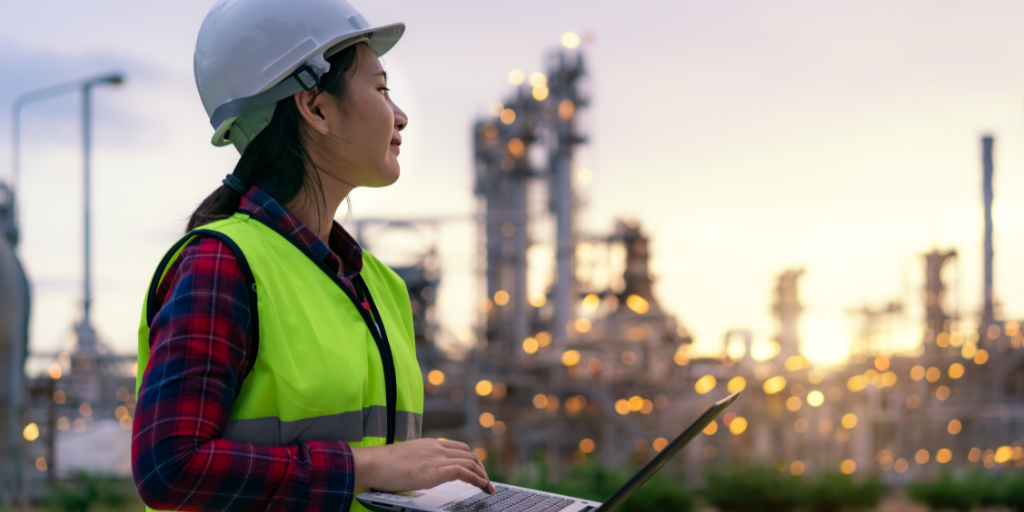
point(279, 360)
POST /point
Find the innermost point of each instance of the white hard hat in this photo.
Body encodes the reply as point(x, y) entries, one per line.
point(250, 54)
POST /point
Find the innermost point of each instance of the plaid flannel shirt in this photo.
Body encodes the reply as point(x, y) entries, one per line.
point(198, 345)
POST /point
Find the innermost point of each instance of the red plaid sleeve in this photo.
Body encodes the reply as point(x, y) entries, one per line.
point(198, 345)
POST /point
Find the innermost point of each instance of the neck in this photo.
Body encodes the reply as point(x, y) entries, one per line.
point(307, 205)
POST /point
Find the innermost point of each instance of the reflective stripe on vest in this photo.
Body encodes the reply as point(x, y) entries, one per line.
point(349, 426)
point(321, 371)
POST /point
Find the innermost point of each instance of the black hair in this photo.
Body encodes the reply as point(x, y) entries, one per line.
point(277, 159)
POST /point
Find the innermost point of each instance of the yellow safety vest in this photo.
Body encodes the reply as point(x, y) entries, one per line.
point(325, 368)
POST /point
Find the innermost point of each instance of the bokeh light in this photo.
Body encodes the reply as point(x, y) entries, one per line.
point(705, 384)
point(571, 40)
point(738, 425)
point(711, 428)
point(31, 432)
point(774, 384)
point(486, 420)
point(587, 446)
point(815, 398)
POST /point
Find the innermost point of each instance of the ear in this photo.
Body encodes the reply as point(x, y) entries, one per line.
point(311, 109)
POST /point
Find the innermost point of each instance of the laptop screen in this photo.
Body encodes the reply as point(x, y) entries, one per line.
point(665, 455)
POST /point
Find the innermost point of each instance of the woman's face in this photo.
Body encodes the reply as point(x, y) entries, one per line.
point(357, 139)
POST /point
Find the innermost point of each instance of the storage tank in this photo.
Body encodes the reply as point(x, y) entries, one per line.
point(14, 313)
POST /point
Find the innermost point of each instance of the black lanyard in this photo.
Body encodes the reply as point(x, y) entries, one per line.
point(387, 358)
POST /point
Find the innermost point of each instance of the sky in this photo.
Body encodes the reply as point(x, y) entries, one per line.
point(746, 138)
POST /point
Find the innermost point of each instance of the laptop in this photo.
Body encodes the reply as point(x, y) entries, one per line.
point(462, 497)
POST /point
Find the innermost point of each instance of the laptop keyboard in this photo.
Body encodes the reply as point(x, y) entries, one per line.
point(506, 499)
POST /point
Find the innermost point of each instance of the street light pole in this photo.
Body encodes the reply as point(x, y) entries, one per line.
point(15, 352)
point(19, 103)
point(87, 188)
point(85, 333)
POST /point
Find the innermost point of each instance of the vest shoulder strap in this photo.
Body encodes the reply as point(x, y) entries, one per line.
point(243, 264)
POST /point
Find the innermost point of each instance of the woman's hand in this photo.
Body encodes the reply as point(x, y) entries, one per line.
point(415, 465)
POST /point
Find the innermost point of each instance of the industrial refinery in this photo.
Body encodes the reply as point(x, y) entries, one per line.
point(594, 367)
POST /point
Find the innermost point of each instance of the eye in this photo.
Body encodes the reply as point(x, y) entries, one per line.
point(384, 90)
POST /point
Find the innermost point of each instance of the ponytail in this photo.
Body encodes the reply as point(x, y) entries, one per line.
point(277, 160)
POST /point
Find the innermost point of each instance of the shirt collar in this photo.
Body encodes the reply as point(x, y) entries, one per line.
point(258, 204)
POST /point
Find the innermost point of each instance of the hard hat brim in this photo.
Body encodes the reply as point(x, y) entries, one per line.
point(380, 39)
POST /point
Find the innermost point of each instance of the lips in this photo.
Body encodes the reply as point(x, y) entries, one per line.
point(395, 143)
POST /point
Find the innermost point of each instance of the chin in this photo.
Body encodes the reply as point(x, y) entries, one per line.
point(388, 175)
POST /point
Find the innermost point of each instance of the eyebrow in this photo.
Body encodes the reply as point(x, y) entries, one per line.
point(385, 73)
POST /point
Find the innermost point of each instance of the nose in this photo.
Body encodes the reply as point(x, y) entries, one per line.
point(401, 120)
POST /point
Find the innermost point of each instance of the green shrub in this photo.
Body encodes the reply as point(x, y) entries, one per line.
point(973, 489)
point(661, 492)
point(598, 483)
point(947, 493)
point(1011, 491)
point(987, 489)
point(833, 492)
point(87, 492)
point(753, 489)
point(588, 481)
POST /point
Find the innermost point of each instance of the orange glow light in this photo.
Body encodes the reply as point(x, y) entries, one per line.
point(705, 384)
point(711, 428)
point(586, 445)
point(881, 363)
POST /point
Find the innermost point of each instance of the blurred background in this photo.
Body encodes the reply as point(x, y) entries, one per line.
point(610, 215)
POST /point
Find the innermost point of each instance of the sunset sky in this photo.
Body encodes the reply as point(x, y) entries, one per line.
point(745, 137)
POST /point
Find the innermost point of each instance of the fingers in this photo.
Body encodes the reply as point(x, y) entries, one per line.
point(457, 450)
point(432, 462)
point(454, 445)
point(458, 472)
point(460, 451)
point(472, 465)
point(460, 455)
